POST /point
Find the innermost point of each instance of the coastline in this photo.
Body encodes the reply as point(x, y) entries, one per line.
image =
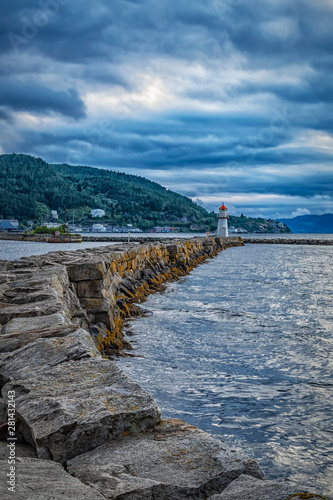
point(287, 241)
point(253, 238)
point(39, 238)
point(77, 408)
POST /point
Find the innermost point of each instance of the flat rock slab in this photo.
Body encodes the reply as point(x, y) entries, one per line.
point(21, 450)
point(32, 309)
point(28, 280)
point(250, 488)
point(55, 325)
point(3, 412)
point(76, 406)
point(174, 461)
point(34, 324)
point(43, 480)
point(45, 353)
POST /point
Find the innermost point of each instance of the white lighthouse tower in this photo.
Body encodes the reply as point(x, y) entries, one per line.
point(222, 227)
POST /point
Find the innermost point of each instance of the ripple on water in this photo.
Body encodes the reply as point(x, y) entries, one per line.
point(243, 349)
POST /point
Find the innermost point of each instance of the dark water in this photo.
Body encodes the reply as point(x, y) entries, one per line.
point(242, 348)
point(12, 250)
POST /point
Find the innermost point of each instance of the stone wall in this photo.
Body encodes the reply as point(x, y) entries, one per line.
point(41, 238)
point(287, 241)
point(59, 314)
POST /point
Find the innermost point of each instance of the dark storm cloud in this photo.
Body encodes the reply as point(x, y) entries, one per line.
point(312, 90)
point(32, 96)
point(244, 86)
point(5, 116)
point(81, 31)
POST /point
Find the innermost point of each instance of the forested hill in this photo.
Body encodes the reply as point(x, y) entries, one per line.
point(30, 188)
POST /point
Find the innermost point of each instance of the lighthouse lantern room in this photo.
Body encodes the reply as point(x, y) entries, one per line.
point(222, 227)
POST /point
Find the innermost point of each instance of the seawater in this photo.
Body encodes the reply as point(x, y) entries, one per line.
point(12, 250)
point(242, 348)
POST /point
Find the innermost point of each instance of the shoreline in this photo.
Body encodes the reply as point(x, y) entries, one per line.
point(286, 241)
point(59, 312)
point(137, 238)
point(41, 238)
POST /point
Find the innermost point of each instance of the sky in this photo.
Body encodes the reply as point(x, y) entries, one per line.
point(219, 100)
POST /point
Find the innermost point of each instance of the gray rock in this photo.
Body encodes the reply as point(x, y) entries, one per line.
point(42, 308)
point(55, 325)
point(87, 269)
point(45, 353)
point(175, 461)
point(250, 488)
point(54, 273)
point(90, 288)
point(3, 412)
point(31, 324)
point(94, 305)
point(54, 276)
point(98, 332)
point(6, 277)
point(44, 480)
point(79, 405)
point(37, 296)
point(21, 450)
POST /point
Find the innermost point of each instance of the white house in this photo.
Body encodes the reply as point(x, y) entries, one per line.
point(50, 224)
point(97, 212)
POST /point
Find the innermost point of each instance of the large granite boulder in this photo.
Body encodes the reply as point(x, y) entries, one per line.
point(21, 450)
point(32, 309)
point(45, 353)
point(76, 406)
point(250, 488)
point(43, 480)
point(3, 412)
point(37, 303)
point(38, 295)
point(30, 281)
point(174, 461)
point(87, 269)
point(21, 331)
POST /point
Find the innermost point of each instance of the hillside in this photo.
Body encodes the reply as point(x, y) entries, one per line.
point(132, 199)
point(30, 188)
point(311, 223)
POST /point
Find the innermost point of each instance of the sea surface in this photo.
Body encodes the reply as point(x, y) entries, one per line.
point(12, 250)
point(242, 348)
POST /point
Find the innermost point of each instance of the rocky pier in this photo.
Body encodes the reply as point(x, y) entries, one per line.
point(287, 241)
point(72, 424)
point(41, 238)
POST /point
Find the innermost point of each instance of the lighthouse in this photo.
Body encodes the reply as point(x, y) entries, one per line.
point(222, 227)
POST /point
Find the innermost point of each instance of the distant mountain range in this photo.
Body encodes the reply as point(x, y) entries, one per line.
point(310, 223)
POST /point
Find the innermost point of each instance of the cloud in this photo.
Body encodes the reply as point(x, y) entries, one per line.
point(34, 97)
point(212, 99)
point(301, 211)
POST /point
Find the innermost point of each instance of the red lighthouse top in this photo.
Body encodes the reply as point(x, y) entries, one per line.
point(223, 207)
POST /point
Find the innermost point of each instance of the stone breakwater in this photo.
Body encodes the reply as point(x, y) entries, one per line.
point(41, 238)
point(286, 241)
point(84, 429)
